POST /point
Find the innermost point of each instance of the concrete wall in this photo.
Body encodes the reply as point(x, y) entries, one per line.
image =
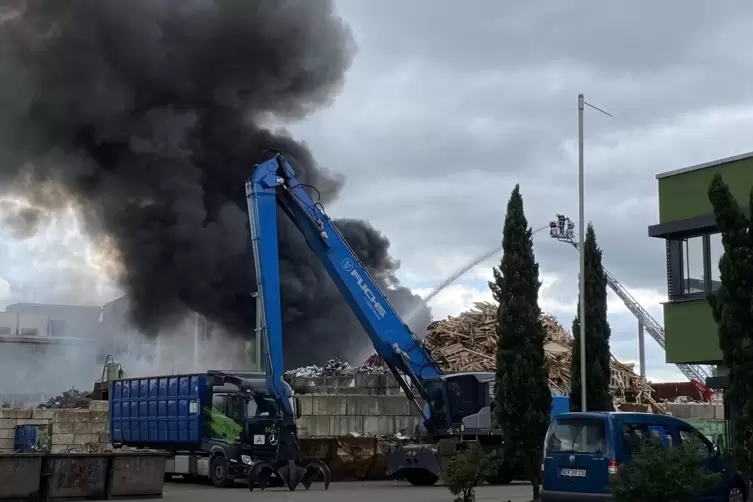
point(368, 405)
point(706, 411)
point(80, 429)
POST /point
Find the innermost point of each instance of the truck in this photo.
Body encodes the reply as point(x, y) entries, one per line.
point(215, 425)
point(458, 407)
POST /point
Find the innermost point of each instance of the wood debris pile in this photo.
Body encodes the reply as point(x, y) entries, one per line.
point(468, 342)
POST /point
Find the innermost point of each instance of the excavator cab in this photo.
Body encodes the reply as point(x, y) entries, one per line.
point(459, 402)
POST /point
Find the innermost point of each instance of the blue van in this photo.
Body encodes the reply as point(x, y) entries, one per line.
point(581, 450)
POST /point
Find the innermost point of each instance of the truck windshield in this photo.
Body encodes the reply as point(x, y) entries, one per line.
point(261, 406)
point(576, 436)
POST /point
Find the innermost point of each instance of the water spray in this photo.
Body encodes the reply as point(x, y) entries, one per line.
point(462, 271)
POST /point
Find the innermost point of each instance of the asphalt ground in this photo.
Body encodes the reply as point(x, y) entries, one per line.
point(376, 491)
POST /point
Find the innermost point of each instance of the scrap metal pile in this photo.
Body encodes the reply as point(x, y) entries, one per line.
point(468, 343)
point(69, 399)
point(336, 367)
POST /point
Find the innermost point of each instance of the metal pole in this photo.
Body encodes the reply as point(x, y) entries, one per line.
point(581, 248)
point(257, 338)
point(641, 349)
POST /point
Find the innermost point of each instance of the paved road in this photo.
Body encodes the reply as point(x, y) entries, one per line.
point(376, 491)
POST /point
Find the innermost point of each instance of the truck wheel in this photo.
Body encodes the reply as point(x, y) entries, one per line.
point(421, 478)
point(218, 472)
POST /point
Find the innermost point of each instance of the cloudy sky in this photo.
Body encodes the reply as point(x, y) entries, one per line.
point(450, 104)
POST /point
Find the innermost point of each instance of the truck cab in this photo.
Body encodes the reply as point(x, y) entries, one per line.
point(245, 414)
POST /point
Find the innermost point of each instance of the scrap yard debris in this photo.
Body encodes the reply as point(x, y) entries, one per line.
point(468, 343)
point(69, 399)
point(336, 367)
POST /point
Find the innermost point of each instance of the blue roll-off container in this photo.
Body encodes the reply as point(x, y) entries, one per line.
point(26, 438)
point(161, 411)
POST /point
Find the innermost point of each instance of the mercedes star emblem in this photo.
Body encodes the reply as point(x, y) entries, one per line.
point(273, 439)
point(572, 459)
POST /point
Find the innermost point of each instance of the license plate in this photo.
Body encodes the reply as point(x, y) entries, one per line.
point(573, 473)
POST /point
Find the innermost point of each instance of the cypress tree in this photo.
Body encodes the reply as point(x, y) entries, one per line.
point(598, 373)
point(731, 306)
point(523, 400)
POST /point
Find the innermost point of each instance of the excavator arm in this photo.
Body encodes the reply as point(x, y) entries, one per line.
point(272, 184)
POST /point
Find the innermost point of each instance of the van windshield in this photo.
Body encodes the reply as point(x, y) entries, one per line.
point(572, 435)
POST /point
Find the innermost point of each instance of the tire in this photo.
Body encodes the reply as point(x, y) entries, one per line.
point(421, 478)
point(218, 472)
point(736, 493)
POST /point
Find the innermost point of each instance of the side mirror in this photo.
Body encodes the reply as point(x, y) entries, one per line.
point(716, 451)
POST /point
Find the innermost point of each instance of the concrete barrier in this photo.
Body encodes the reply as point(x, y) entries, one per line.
point(78, 476)
point(136, 475)
point(20, 476)
point(74, 476)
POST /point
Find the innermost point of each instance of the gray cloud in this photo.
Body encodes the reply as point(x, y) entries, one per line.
point(453, 103)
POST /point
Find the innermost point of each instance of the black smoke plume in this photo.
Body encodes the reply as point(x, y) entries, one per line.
point(150, 114)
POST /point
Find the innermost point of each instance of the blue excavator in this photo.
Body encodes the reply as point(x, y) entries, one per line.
point(456, 408)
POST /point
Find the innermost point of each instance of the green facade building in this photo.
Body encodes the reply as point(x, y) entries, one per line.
point(693, 250)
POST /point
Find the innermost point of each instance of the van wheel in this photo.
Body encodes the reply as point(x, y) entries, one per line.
point(218, 472)
point(421, 478)
point(736, 493)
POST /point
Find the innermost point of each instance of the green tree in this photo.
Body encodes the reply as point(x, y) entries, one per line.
point(658, 472)
point(465, 472)
point(598, 357)
point(731, 306)
point(523, 400)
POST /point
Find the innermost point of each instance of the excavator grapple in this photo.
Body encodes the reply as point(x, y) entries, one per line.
point(288, 470)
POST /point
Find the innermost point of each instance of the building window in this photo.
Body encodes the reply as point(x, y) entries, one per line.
point(693, 265)
point(692, 260)
point(716, 251)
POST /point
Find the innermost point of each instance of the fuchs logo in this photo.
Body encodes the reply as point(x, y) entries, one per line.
point(347, 264)
point(375, 305)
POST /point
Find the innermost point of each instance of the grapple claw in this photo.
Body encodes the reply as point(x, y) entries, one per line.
point(316, 470)
point(260, 474)
point(291, 474)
